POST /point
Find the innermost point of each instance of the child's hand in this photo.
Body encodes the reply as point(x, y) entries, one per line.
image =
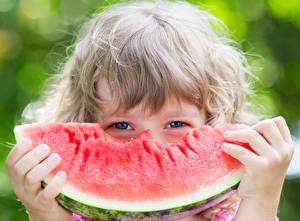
point(265, 170)
point(27, 167)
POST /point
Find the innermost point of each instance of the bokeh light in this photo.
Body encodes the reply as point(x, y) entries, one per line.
point(5, 45)
point(34, 9)
point(223, 11)
point(6, 5)
point(35, 34)
point(251, 10)
point(287, 10)
point(30, 78)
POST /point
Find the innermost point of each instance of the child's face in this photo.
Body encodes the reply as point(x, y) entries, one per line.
point(167, 125)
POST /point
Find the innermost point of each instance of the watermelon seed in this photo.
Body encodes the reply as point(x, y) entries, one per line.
point(183, 150)
point(170, 155)
point(86, 137)
point(97, 154)
point(158, 159)
point(95, 135)
point(71, 135)
point(195, 135)
point(146, 147)
point(72, 139)
point(77, 142)
point(189, 146)
point(86, 155)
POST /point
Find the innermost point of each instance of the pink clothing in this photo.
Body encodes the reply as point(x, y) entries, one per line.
point(76, 217)
point(225, 210)
point(225, 214)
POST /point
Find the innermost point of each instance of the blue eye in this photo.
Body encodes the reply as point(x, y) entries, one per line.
point(176, 124)
point(121, 125)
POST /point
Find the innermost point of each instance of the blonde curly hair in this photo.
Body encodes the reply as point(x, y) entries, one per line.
point(148, 51)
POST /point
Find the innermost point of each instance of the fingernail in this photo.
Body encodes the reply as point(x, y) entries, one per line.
point(25, 142)
point(227, 133)
point(44, 148)
point(55, 157)
point(224, 146)
point(62, 175)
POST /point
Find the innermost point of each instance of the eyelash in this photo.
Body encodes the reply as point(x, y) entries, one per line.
point(124, 122)
point(184, 124)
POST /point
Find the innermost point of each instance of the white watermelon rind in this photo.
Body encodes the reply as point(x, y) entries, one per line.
point(108, 212)
point(104, 209)
point(203, 194)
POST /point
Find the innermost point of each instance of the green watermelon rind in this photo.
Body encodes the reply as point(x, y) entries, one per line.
point(107, 212)
point(112, 214)
point(75, 203)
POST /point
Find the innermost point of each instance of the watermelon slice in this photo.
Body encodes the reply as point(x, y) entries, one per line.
point(111, 179)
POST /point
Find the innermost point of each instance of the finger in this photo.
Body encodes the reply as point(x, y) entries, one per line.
point(245, 156)
point(31, 159)
point(268, 129)
point(17, 152)
point(34, 177)
point(283, 128)
point(53, 188)
point(255, 140)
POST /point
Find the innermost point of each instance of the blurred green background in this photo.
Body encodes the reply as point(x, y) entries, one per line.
point(34, 40)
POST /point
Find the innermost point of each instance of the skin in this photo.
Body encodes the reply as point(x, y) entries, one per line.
point(260, 187)
point(265, 170)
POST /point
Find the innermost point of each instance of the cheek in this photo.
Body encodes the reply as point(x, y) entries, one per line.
point(200, 121)
point(175, 135)
point(121, 135)
point(168, 136)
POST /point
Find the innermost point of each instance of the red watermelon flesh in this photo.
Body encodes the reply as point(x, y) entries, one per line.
point(140, 170)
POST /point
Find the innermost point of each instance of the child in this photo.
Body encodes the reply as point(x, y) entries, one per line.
point(163, 66)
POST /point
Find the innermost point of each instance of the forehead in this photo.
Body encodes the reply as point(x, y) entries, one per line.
point(103, 90)
point(110, 106)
